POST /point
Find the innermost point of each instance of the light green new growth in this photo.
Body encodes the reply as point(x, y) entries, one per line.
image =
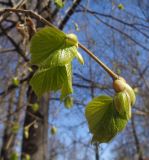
point(52, 51)
point(103, 119)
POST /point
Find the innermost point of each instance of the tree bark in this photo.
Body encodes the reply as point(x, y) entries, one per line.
point(36, 145)
point(7, 136)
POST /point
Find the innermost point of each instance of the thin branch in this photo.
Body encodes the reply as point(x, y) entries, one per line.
point(6, 50)
point(27, 13)
point(20, 51)
point(69, 13)
point(132, 25)
point(106, 68)
point(123, 33)
point(40, 18)
point(18, 5)
point(11, 87)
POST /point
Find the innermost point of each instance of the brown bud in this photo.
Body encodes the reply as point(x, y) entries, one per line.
point(119, 85)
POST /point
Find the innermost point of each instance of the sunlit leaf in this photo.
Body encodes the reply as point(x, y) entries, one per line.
point(80, 58)
point(121, 6)
point(71, 40)
point(131, 94)
point(35, 107)
point(103, 119)
point(76, 26)
point(53, 52)
point(68, 102)
point(45, 42)
point(59, 3)
point(26, 132)
point(122, 104)
point(67, 85)
point(15, 81)
point(60, 57)
point(14, 156)
point(15, 127)
point(26, 157)
point(48, 79)
point(53, 130)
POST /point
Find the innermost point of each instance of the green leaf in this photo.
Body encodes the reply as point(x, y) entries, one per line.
point(67, 86)
point(35, 107)
point(59, 3)
point(121, 6)
point(122, 104)
point(131, 94)
point(26, 132)
point(80, 58)
point(53, 130)
point(48, 79)
point(103, 119)
point(71, 40)
point(26, 157)
point(15, 127)
point(15, 81)
point(76, 27)
point(68, 102)
point(45, 42)
point(60, 57)
point(14, 156)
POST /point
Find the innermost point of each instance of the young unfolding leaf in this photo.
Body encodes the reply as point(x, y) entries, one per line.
point(35, 107)
point(26, 132)
point(59, 3)
point(60, 57)
point(52, 51)
point(53, 130)
point(26, 157)
point(68, 102)
point(103, 119)
point(80, 58)
point(123, 105)
point(67, 85)
point(15, 81)
point(45, 42)
point(121, 6)
point(120, 85)
point(131, 94)
point(48, 79)
point(71, 40)
point(15, 127)
point(14, 156)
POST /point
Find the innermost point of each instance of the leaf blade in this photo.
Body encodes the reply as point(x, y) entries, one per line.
point(48, 79)
point(44, 42)
point(103, 119)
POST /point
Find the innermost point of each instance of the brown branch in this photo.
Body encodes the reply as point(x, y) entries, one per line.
point(132, 25)
point(19, 4)
point(27, 13)
point(6, 50)
point(40, 18)
point(69, 13)
point(20, 51)
point(106, 68)
point(121, 32)
point(11, 87)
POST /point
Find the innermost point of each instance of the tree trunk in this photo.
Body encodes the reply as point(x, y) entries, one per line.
point(36, 145)
point(7, 135)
